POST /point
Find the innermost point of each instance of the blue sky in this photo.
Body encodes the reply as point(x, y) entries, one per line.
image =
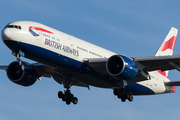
point(133, 28)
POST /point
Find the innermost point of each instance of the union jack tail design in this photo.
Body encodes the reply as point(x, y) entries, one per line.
point(167, 47)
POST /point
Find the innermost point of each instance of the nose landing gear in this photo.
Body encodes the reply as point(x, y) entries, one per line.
point(19, 54)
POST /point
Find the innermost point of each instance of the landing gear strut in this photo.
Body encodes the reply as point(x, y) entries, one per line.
point(19, 58)
point(123, 94)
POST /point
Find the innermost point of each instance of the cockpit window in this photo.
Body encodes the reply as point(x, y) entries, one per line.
point(10, 26)
point(13, 26)
point(18, 27)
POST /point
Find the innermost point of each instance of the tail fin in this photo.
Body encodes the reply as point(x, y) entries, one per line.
point(167, 47)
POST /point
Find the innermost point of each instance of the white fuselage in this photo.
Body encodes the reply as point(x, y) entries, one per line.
point(36, 34)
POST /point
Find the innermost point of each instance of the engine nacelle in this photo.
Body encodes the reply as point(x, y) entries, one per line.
point(121, 67)
point(24, 75)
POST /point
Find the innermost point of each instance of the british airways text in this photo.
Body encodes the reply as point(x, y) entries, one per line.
point(59, 46)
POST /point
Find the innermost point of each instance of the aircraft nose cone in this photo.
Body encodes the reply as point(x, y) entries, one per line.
point(6, 34)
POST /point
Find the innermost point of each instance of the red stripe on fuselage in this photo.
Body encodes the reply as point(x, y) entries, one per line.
point(40, 29)
point(168, 44)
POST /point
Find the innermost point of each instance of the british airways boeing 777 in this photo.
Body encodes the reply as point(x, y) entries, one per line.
point(73, 62)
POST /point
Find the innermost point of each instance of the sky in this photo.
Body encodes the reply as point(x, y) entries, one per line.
point(133, 28)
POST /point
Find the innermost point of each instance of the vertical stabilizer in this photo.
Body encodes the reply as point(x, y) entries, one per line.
point(167, 47)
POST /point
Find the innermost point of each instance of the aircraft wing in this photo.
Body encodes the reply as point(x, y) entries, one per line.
point(153, 63)
point(162, 63)
point(97, 64)
point(47, 71)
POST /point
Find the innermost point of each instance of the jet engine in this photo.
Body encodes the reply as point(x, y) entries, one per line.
point(23, 74)
point(122, 67)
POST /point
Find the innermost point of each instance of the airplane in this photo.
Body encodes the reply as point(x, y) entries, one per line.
point(71, 61)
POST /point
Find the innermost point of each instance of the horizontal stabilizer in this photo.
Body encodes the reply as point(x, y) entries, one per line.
point(173, 83)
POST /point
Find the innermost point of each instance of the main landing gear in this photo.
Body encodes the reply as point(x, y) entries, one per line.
point(123, 94)
point(67, 97)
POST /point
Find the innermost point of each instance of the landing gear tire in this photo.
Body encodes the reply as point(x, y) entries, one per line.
point(123, 99)
point(130, 98)
point(75, 100)
point(60, 94)
point(64, 99)
point(68, 101)
point(119, 95)
point(67, 97)
point(116, 91)
point(123, 94)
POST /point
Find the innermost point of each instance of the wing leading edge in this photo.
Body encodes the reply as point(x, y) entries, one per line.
point(162, 63)
point(47, 71)
point(148, 64)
